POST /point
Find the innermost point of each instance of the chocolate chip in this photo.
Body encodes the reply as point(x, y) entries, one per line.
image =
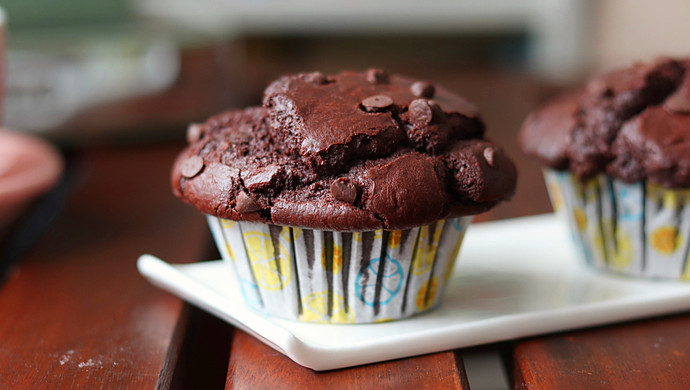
point(194, 132)
point(377, 76)
point(245, 204)
point(262, 177)
point(423, 89)
point(192, 166)
point(377, 103)
point(345, 190)
point(240, 137)
point(678, 103)
point(489, 155)
point(317, 78)
point(420, 112)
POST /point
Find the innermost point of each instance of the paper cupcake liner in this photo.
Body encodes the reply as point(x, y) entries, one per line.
point(340, 277)
point(638, 229)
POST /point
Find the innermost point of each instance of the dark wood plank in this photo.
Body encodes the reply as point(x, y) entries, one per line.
point(75, 312)
point(651, 354)
point(198, 353)
point(173, 359)
point(253, 365)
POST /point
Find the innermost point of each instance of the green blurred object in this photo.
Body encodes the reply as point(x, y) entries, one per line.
point(38, 14)
point(66, 56)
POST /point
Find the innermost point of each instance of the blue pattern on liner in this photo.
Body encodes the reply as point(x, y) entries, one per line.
point(456, 223)
point(630, 201)
point(250, 292)
point(391, 281)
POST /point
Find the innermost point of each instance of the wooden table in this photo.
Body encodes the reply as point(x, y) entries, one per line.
point(74, 312)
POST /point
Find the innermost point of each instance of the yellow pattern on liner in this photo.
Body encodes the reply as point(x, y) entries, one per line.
point(665, 239)
point(285, 233)
point(315, 309)
point(580, 219)
point(337, 258)
point(671, 199)
point(227, 223)
point(357, 236)
point(394, 239)
point(625, 253)
point(270, 273)
point(421, 300)
point(452, 257)
point(426, 251)
point(230, 252)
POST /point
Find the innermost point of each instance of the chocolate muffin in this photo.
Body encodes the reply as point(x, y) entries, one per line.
point(617, 154)
point(358, 184)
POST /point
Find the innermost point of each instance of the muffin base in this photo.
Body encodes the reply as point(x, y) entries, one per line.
point(340, 277)
point(638, 229)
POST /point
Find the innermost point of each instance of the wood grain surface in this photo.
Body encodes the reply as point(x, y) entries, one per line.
point(253, 365)
point(75, 312)
point(649, 354)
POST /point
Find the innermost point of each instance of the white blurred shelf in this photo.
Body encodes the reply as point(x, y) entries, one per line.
point(556, 28)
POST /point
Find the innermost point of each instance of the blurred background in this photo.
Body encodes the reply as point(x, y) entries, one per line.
point(81, 72)
point(93, 76)
point(86, 75)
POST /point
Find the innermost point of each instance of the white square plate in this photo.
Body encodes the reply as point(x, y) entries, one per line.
point(514, 278)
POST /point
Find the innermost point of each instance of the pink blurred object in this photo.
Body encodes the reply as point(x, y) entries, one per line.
point(28, 167)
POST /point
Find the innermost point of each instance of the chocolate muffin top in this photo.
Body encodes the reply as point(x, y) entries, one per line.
point(348, 152)
point(632, 124)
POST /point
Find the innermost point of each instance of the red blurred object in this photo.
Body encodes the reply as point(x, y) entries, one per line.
point(28, 167)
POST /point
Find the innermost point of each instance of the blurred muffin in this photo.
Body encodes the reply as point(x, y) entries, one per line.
point(343, 198)
point(617, 158)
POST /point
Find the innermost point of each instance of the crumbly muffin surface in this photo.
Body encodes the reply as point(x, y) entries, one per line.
point(352, 151)
point(632, 124)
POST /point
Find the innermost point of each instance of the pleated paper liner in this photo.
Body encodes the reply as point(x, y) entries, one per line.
point(340, 277)
point(638, 229)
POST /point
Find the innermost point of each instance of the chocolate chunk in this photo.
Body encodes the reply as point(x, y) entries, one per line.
point(317, 78)
point(377, 76)
point(192, 166)
point(345, 190)
point(489, 155)
point(420, 112)
point(262, 177)
point(423, 89)
point(194, 132)
point(245, 204)
point(376, 103)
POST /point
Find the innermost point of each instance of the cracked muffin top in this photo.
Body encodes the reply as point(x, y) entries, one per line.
point(632, 123)
point(347, 152)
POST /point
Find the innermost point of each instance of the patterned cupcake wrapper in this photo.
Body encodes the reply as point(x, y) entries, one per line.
point(639, 229)
point(338, 277)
